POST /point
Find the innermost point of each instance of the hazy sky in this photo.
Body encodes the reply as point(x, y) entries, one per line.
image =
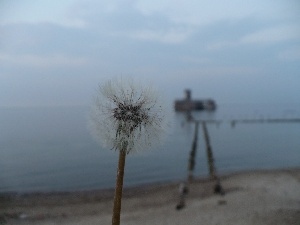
point(56, 52)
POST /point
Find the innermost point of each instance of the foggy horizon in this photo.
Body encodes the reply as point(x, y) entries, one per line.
point(55, 54)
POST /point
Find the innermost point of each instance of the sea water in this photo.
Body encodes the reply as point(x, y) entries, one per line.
point(51, 149)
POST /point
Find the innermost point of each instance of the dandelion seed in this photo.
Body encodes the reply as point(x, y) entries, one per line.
point(126, 117)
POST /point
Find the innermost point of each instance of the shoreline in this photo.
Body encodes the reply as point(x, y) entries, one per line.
point(156, 203)
point(106, 192)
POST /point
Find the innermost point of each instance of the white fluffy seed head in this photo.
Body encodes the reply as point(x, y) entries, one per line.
point(127, 116)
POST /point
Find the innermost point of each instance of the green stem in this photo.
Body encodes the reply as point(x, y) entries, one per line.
point(119, 189)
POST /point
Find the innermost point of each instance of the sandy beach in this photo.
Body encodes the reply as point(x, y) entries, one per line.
point(256, 197)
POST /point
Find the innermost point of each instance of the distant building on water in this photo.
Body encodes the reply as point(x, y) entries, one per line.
point(188, 104)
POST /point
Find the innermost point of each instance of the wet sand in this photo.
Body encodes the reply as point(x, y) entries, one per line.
point(256, 197)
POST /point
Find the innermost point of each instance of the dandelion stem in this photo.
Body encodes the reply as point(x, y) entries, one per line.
point(119, 189)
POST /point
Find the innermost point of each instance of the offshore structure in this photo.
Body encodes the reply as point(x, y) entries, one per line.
point(187, 104)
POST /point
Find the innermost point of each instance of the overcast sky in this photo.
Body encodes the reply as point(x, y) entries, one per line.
point(56, 52)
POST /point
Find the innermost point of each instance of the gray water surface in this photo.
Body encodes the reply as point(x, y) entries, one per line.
point(50, 149)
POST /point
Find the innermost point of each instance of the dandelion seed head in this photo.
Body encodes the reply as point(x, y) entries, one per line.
point(127, 116)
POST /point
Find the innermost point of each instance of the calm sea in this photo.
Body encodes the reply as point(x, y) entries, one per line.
point(50, 149)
